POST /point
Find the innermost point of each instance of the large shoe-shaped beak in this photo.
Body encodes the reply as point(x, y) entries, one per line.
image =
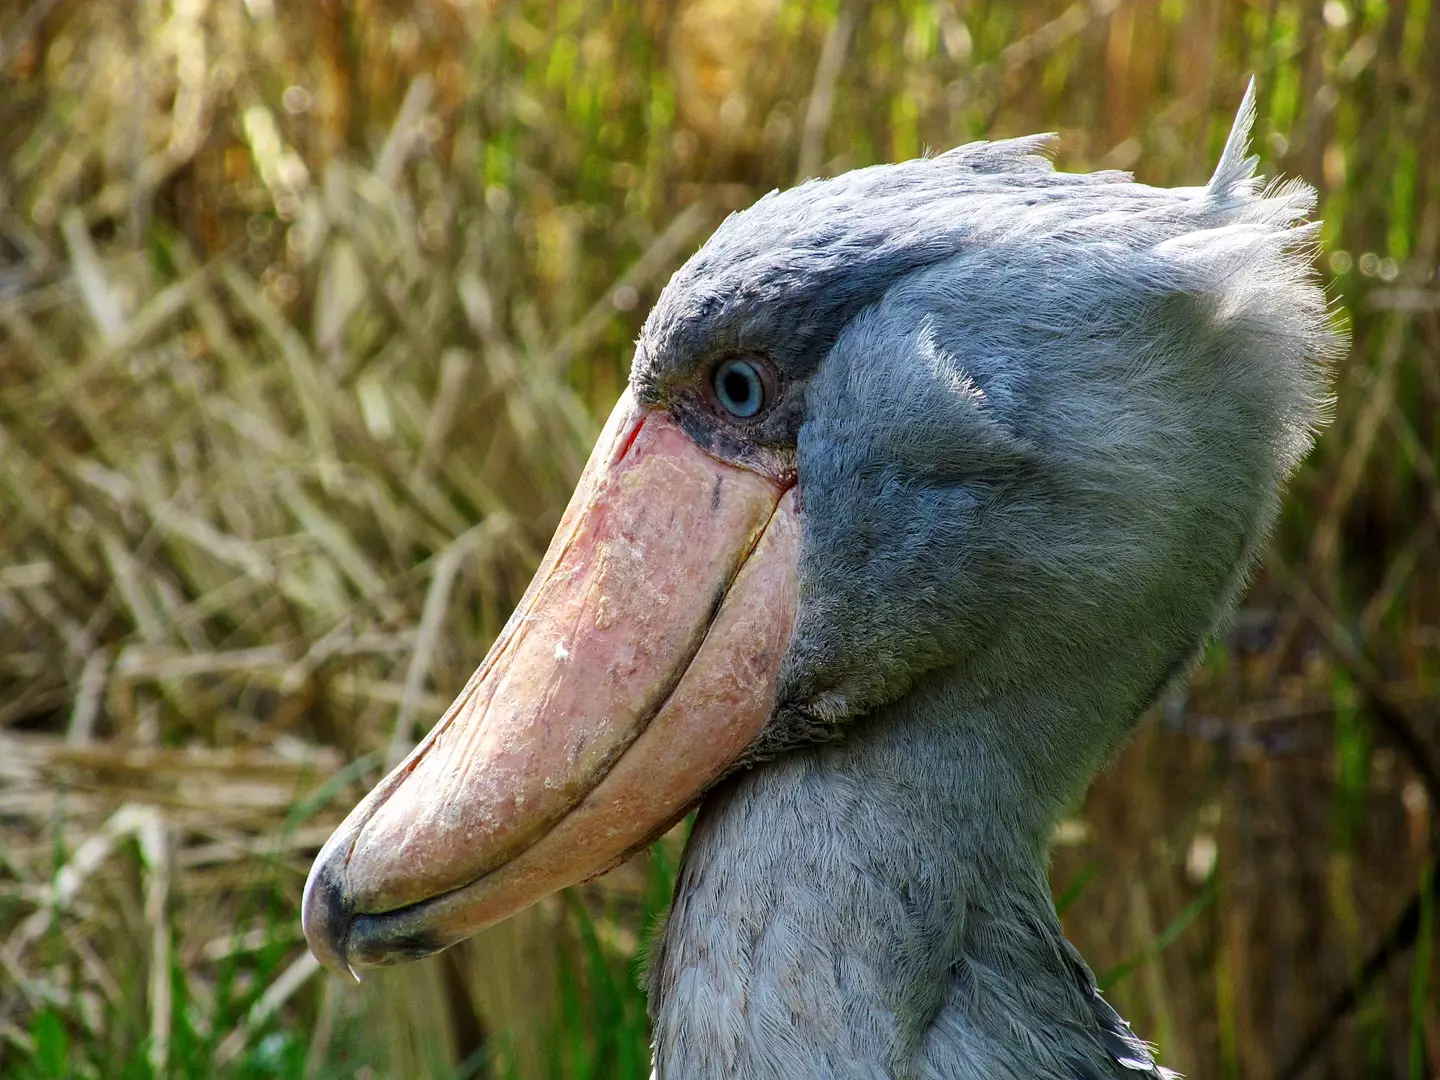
point(638, 667)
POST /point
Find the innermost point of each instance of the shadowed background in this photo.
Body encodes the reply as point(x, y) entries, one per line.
point(307, 312)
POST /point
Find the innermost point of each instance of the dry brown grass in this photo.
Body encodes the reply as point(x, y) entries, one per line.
point(305, 315)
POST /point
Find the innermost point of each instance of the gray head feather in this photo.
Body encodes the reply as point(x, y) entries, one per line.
point(1040, 424)
point(1058, 446)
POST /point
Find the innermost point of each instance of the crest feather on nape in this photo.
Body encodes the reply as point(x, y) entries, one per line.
point(1240, 196)
point(1235, 173)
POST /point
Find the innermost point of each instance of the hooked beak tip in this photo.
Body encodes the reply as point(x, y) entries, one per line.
point(326, 914)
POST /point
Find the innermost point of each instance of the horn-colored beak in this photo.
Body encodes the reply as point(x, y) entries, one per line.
point(638, 667)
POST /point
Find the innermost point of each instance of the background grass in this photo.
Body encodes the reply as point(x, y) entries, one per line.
point(306, 315)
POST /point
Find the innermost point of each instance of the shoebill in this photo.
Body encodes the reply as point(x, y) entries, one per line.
point(929, 479)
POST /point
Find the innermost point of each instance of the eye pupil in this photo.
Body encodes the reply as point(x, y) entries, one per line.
point(736, 386)
point(739, 388)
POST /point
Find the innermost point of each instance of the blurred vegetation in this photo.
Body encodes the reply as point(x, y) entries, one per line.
point(306, 315)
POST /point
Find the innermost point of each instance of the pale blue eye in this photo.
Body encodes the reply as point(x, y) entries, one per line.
point(739, 388)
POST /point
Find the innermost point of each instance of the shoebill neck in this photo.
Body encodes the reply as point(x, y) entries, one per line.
point(878, 907)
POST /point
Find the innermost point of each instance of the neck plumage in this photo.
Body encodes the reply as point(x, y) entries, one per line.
point(878, 908)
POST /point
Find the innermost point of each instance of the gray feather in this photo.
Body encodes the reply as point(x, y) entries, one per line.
point(1040, 424)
